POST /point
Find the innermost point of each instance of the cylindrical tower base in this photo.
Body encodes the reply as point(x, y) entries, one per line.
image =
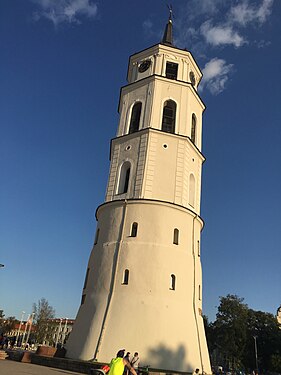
point(143, 288)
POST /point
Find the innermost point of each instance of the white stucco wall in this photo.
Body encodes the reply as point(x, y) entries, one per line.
point(155, 318)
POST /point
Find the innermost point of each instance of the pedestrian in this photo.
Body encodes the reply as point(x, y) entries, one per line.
point(118, 364)
point(126, 370)
point(135, 361)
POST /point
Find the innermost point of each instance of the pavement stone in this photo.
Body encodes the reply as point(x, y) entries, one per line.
point(8, 367)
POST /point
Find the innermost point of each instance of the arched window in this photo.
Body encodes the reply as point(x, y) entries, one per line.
point(173, 282)
point(176, 236)
point(134, 230)
point(192, 190)
point(169, 116)
point(135, 118)
point(193, 128)
point(124, 178)
point(125, 277)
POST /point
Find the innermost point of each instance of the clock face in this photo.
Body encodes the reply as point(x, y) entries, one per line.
point(192, 78)
point(144, 66)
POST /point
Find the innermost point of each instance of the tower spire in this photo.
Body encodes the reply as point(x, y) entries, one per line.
point(168, 33)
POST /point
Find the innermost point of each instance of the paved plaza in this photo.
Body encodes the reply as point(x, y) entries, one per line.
point(18, 368)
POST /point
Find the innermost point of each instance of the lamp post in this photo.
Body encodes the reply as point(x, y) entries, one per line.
point(17, 337)
point(256, 354)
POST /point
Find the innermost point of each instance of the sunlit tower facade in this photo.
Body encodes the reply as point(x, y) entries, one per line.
point(143, 284)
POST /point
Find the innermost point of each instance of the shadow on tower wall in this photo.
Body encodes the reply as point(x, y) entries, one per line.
point(165, 358)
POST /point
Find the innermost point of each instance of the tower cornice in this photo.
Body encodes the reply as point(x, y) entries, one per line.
point(151, 130)
point(149, 201)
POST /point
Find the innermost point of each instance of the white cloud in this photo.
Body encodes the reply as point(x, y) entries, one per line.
point(220, 35)
point(215, 75)
point(61, 11)
point(245, 13)
point(150, 31)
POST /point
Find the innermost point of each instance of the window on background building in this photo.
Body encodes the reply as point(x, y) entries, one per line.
point(192, 190)
point(124, 178)
point(198, 248)
point(176, 236)
point(173, 282)
point(134, 230)
point(83, 299)
point(171, 70)
point(125, 277)
point(199, 292)
point(86, 278)
point(135, 118)
point(169, 116)
point(193, 128)
point(97, 236)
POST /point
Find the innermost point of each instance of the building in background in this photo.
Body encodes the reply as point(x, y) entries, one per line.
point(58, 332)
point(143, 284)
point(61, 328)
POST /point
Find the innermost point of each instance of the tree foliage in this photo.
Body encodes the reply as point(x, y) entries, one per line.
point(43, 312)
point(231, 337)
point(6, 324)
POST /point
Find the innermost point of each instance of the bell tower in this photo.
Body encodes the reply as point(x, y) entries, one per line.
point(143, 285)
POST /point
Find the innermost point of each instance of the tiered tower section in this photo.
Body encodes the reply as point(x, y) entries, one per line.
point(143, 286)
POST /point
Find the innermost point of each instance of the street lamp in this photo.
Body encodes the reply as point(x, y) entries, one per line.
point(256, 353)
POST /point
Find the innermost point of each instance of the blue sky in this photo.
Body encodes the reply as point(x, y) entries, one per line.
point(61, 68)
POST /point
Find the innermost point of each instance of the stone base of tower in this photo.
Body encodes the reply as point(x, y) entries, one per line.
point(145, 293)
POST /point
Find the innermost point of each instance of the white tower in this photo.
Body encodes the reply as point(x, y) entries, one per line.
point(143, 286)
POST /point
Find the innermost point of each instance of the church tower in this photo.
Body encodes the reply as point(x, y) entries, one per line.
point(143, 285)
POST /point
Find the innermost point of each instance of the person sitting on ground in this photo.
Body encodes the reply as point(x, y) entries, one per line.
point(118, 364)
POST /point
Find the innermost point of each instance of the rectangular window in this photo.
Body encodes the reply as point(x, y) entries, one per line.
point(171, 70)
point(97, 236)
point(86, 278)
point(83, 299)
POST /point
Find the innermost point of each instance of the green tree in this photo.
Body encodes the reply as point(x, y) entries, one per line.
point(43, 312)
point(265, 328)
point(275, 363)
point(228, 332)
point(231, 337)
point(6, 324)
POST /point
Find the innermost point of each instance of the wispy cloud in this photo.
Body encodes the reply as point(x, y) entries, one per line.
point(150, 30)
point(245, 13)
point(221, 35)
point(207, 26)
point(64, 11)
point(215, 75)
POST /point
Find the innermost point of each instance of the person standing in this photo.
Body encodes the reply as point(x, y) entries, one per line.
point(135, 361)
point(127, 357)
